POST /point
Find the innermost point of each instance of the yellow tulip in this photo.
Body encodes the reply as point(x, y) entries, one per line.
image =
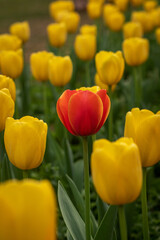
point(157, 32)
point(149, 5)
point(6, 82)
point(145, 19)
point(11, 63)
point(88, 29)
point(9, 42)
point(25, 141)
point(60, 70)
point(136, 51)
point(116, 170)
point(156, 17)
point(85, 46)
point(99, 1)
point(28, 210)
point(110, 67)
point(57, 34)
point(39, 65)
point(121, 4)
point(71, 20)
point(115, 21)
point(57, 6)
point(94, 9)
point(137, 3)
point(6, 107)
point(132, 29)
point(107, 10)
point(144, 127)
point(21, 30)
point(102, 85)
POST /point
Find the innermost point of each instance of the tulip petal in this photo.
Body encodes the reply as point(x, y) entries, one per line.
point(85, 110)
point(62, 109)
point(106, 106)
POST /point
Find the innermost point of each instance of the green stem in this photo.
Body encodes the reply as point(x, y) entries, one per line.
point(137, 87)
point(122, 222)
point(87, 188)
point(87, 71)
point(144, 207)
point(25, 174)
point(45, 102)
point(110, 117)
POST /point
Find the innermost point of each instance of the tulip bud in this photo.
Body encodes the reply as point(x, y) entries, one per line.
point(60, 70)
point(102, 85)
point(11, 63)
point(94, 9)
point(145, 19)
point(21, 30)
point(71, 20)
point(136, 51)
point(115, 21)
point(157, 32)
point(121, 4)
point(6, 82)
point(110, 67)
point(85, 46)
point(116, 170)
point(150, 5)
point(132, 29)
point(57, 34)
point(57, 6)
point(27, 151)
point(28, 210)
point(144, 127)
point(83, 111)
point(39, 65)
point(88, 29)
point(9, 42)
point(6, 107)
point(107, 10)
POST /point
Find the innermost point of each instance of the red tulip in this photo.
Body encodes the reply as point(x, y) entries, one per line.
point(83, 112)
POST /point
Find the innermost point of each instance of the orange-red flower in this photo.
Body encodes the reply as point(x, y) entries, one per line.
point(83, 111)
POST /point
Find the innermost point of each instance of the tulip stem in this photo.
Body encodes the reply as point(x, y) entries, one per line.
point(110, 117)
point(45, 102)
point(137, 87)
point(122, 222)
point(87, 188)
point(87, 71)
point(144, 207)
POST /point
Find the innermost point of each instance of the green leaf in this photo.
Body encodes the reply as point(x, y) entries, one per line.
point(106, 227)
point(69, 237)
point(71, 217)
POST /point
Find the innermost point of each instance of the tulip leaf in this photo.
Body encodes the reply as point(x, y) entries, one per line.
point(69, 237)
point(79, 204)
point(106, 227)
point(72, 219)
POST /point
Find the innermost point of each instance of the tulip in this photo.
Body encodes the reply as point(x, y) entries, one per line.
point(83, 111)
point(137, 3)
point(28, 210)
point(39, 62)
point(121, 4)
point(143, 127)
point(145, 19)
point(57, 34)
point(6, 107)
point(110, 67)
point(150, 5)
point(136, 51)
point(60, 70)
point(6, 82)
point(156, 17)
point(21, 30)
point(102, 85)
point(107, 160)
point(94, 9)
point(115, 21)
point(57, 6)
point(157, 32)
point(71, 20)
point(85, 46)
point(11, 63)
point(9, 42)
point(88, 29)
point(25, 141)
point(107, 10)
point(132, 29)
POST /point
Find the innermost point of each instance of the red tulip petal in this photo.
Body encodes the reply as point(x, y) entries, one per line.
point(62, 109)
point(106, 106)
point(85, 111)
